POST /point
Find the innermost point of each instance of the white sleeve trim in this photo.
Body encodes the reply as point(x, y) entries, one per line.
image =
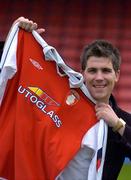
point(8, 61)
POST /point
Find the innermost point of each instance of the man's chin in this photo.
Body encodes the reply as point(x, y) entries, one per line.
point(99, 98)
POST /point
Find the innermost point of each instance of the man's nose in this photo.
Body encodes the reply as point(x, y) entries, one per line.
point(99, 76)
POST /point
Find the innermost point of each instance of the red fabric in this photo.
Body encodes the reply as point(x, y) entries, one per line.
point(39, 132)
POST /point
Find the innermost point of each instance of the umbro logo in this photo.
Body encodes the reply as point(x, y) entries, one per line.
point(36, 64)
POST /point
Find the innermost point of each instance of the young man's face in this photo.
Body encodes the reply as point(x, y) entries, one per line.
point(100, 78)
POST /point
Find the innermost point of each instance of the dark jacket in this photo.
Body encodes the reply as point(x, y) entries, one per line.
point(1, 47)
point(117, 147)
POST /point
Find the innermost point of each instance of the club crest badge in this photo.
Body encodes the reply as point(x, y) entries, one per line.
point(72, 97)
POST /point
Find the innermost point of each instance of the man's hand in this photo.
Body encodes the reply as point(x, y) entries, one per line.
point(28, 25)
point(104, 111)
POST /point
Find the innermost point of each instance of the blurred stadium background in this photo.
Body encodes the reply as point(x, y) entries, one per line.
point(71, 24)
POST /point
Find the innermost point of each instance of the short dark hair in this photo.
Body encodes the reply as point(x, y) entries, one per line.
point(101, 48)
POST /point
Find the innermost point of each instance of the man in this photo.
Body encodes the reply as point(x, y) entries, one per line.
point(101, 70)
point(100, 63)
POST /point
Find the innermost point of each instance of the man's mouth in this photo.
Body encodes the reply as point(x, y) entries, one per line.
point(99, 86)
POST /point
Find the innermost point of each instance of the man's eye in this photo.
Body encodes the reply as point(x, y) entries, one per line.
point(107, 70)
point(92, 70)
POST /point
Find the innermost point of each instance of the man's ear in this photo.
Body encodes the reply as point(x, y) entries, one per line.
point(83, 74)
point(117, 75)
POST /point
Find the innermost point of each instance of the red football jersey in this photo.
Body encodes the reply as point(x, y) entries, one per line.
point(42, 120)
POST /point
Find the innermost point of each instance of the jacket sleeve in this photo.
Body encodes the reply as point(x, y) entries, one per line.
point(126, 138)
point(127, 134)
